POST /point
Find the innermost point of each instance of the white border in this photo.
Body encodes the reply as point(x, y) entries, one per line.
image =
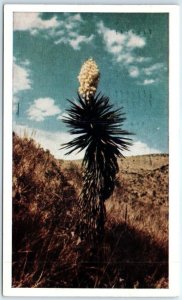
point(173, 290)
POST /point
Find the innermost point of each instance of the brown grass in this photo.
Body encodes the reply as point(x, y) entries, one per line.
point(46, 249)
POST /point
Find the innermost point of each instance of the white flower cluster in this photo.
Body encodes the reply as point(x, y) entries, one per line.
point(88, 78)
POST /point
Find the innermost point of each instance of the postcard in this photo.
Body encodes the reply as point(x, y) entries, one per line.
point(91, 104)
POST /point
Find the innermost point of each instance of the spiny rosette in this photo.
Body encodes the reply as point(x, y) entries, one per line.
point(97, 126)
point(88, 79)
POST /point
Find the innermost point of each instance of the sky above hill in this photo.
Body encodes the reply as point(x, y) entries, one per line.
point(131, 51)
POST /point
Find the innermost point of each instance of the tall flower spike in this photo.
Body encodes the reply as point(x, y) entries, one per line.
point(88, 79)
point(98, 127)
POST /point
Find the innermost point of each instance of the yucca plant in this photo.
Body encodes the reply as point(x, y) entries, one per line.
point(98, 128)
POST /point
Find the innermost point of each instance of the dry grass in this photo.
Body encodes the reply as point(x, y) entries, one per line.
point(46, 249)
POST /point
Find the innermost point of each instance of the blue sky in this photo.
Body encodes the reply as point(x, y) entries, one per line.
point(131, 51)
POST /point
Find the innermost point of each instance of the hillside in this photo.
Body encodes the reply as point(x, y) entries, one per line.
point(46, 250)
point(43, 214)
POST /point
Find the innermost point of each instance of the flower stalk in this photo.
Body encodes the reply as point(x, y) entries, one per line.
point(88, 79)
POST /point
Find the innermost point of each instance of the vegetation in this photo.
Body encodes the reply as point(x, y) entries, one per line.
point(47, 252)
point(100, 134)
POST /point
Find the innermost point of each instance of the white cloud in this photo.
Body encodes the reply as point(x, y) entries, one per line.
point(113, 40)
point(121, 45)
point(75, 40)
point(62, 40)
point(148, 81)
point(65, 31)
point(21, 78)
point(135, 41)
point(70, 32)
point(153, 69)
point(134, 71)
point(73, 21)
point(141, 59)
point(140, 148)
point(42, 108)
point(152, 73)
point(126, 58)
point(25, 62)
point(49, 140)
point(76, 17)
point(32, 21)
point(79, 39)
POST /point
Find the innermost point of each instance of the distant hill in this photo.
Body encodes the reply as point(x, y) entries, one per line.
point(133, 163)
point(144, 162)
